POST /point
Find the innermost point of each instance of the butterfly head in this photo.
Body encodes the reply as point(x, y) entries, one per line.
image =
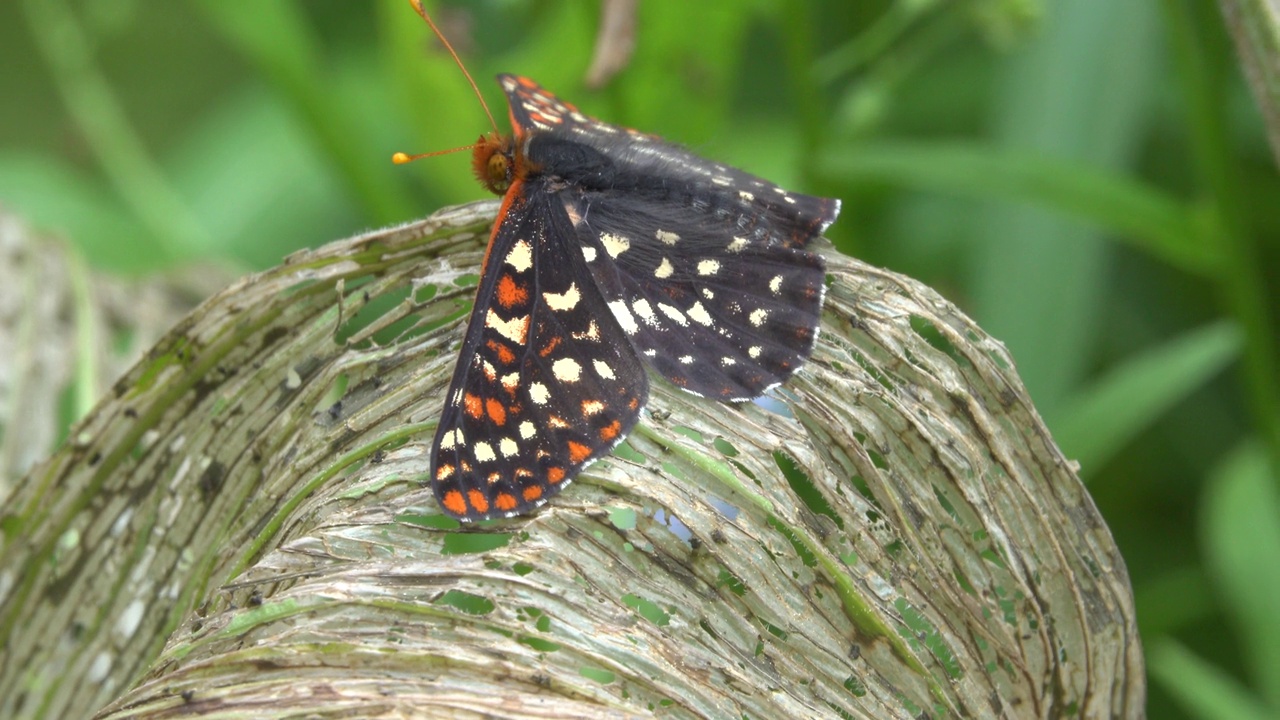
point(494, 162)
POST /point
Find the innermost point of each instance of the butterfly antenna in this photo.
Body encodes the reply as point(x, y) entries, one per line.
point(417, 7)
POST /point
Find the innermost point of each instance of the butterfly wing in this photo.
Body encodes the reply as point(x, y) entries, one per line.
point(715, 315)
point(647, 162)
point(546, 381)
point(702, 264)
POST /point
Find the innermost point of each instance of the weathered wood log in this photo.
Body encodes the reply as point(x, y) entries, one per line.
point(242, 528)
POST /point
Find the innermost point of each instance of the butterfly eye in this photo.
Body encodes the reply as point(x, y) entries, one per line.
point(491, 161)
point(499, 172)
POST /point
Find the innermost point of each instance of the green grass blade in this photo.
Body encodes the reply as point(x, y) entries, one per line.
point(1108, 415)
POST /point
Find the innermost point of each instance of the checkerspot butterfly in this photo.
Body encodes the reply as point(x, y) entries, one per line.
point(613, 251)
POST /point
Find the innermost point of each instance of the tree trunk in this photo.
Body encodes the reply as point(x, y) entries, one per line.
point(242, 528)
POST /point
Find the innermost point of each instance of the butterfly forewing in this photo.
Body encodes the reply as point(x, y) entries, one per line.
point(546, 381)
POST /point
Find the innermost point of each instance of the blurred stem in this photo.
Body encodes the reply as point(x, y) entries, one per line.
point(1243, 289)
point(107, 130)
point(873, 43)
point(1255, 28)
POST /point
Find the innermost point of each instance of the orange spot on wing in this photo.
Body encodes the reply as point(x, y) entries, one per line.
point(478, 501)
point(497, 413)
point(555, 475)
point(611, 430)
point(550, 346)
point(505, 356)
point(505, 502)
point(471, 403)
point(453, 502)
point(578, 452)
point(531, 493)
point(511, 293)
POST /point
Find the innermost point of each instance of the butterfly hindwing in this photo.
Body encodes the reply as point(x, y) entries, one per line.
point(716, 314)
point(546, 380)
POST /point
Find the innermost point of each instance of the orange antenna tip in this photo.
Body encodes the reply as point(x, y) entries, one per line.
point(401, 158)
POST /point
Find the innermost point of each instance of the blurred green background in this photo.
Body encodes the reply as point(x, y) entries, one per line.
point(1090, 179)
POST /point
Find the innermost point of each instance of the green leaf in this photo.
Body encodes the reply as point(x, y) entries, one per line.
point(1205, 691)
point(1134, 212)
point(1107, 416)
point(1241, 534)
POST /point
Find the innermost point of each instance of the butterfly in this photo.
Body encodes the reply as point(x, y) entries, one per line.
point(614, 252)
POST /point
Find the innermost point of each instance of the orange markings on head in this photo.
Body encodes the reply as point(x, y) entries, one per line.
point(497, 413)
point(478, 501)
point(555, 475)
point(550, 346)
point(473, 405)
point(531, 493)
point(505, 502)
point(453, 502)
point(505, 356)
point(511, 293)
point(578, 452)
point(611, 430)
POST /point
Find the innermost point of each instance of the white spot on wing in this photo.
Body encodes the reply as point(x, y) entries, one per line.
point(700, 314)
point(538, 393)
point(673, 313)
point(603, 369)
point(754, 351)
point(737, 245)
point(527, 430)
point(708, 267)
point(775, 284)
point(521, 256)
point(592, 407)
point(513, 329)
point(757, 317)
point(615, 245)
point(592, 333)
point(669, 238)
point(566, 370)
point(645, 312)
point(624, 316)
point(508, 447)
point(566, 300)
point(483, 452)
point(588, 252)
point(451, 439)
point(664, 270)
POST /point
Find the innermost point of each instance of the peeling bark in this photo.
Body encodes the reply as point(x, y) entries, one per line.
point(241, 528)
